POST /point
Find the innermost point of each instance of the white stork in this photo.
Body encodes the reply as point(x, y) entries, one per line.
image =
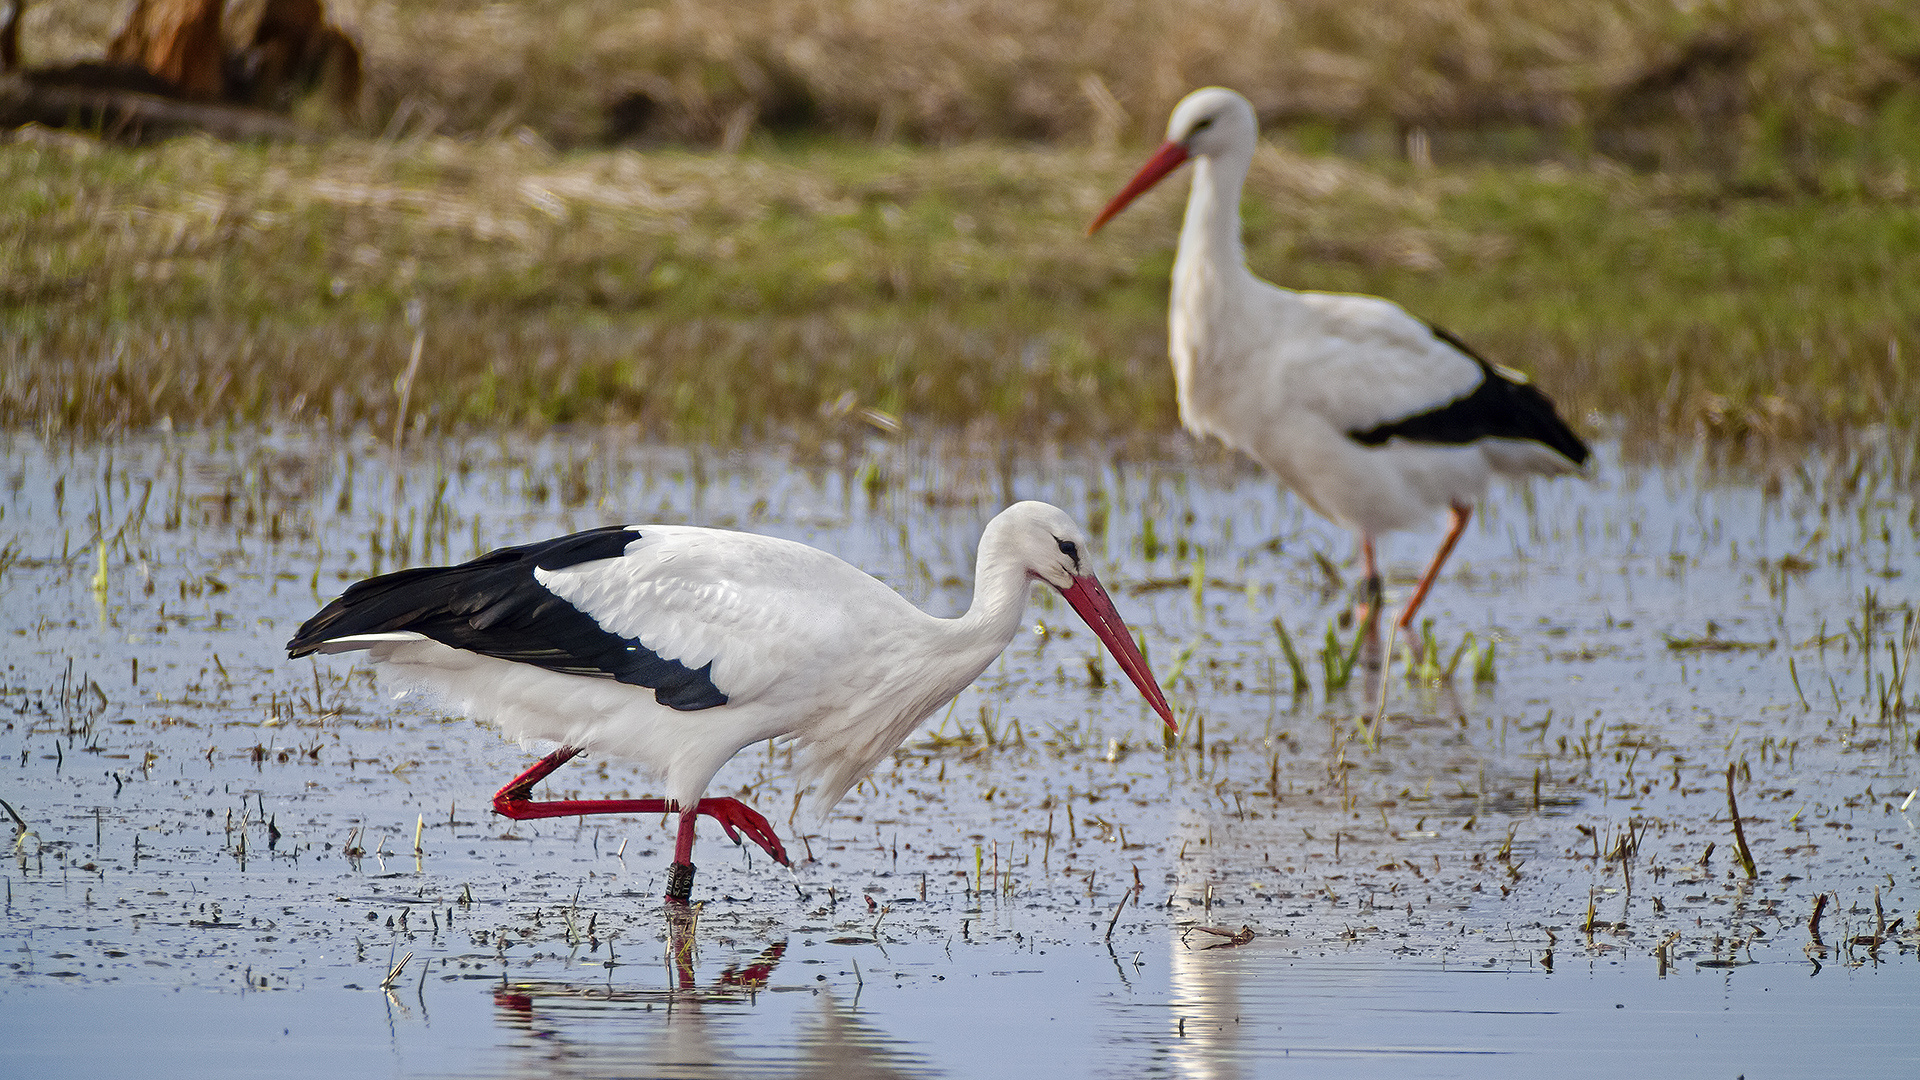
point(678, 646)
point(1374, 418)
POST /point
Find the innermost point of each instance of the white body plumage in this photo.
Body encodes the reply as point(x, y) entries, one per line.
point(759, 637)
point(1376, 419)
point(1284, 375)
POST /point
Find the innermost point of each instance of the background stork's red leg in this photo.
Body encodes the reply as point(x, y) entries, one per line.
point(1373, 597)
point(1370, 585)
point(1461, 512)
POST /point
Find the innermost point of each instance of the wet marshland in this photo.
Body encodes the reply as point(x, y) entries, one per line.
point(1521, 856)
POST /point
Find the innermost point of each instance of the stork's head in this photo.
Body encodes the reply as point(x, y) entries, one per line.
point(1210, 122)
point(1050, 544)
point(1213, 120)
point(1053, 548)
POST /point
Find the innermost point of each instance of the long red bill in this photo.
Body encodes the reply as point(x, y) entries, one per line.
point(1169, 157)
point(1094, 605)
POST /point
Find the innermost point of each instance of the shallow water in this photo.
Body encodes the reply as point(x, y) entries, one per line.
point(1474, 892)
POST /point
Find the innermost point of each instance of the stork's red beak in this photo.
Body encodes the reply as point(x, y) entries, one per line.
point(1169, 157)
point(1094, 605)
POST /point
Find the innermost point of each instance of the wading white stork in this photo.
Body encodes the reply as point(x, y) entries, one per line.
point(1374, 418)
point(678, 646)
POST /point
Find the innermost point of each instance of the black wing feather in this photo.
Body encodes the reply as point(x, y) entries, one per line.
point(1498, 408)
point(494, 606)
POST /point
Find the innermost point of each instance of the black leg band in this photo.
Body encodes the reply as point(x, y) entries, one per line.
point(679, 882)
point(1373, 591)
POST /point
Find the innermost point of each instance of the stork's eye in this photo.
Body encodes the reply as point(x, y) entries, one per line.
point(1070, 550)
point(1201, 125)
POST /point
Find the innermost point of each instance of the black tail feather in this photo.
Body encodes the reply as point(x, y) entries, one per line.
point(496, 606)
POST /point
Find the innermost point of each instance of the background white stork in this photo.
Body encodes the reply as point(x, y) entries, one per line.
point(1376, 419)
point(678, 646)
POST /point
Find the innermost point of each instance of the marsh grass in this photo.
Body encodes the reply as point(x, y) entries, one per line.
point(724, 296)
point(825, 276)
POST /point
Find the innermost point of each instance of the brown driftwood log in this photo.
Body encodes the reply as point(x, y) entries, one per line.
point(187, 65)
point(131, 116)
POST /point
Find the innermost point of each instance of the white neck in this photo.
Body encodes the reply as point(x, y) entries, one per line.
point(1210, 284)
point(946, 655)
point(1210, 235)
point(1000, 588)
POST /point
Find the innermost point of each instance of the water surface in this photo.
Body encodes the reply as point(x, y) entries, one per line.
point(1505, 876)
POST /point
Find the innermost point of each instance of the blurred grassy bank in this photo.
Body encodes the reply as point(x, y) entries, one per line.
point(1694, 217)
point(725, 296)
point(1660, 80)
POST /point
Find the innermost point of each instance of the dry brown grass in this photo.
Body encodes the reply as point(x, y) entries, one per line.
point(924, 70)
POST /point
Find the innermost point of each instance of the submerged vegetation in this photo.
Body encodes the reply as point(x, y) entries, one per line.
point(1607, 790)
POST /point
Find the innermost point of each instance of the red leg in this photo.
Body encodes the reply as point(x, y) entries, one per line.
point(733, 815)
point(1461, 513)
point(683, 843)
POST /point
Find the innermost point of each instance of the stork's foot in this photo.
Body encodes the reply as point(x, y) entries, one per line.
point(736, 818)
point(512, 800)
point(1409, 638)
point(1422, 651)
point(1407, 646)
